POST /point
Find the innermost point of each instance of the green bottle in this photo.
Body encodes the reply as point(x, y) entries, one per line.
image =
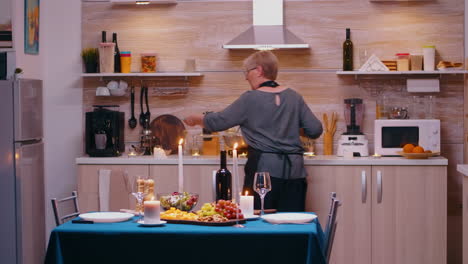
point(348, 52)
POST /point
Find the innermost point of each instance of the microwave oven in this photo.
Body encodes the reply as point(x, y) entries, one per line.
point(390, 135)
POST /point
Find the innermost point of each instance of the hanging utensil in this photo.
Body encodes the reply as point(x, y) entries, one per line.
point(147, 114)
point(132, 122)
point(142, 114)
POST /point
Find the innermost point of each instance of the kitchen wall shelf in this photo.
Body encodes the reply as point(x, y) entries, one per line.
point(401, 73)
point(140, 74)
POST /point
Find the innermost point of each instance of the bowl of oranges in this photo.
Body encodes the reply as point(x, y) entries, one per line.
point(411, 151)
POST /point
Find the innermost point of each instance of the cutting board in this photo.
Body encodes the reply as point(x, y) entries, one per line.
point(169, 130)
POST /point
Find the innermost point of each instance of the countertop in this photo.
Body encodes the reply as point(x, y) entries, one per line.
point(315, 160)
point(463, 168)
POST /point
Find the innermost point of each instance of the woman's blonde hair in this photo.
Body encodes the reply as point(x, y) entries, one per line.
point(267, 60)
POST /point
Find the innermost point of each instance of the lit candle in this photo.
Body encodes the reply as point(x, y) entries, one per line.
point(247, 204)
point(376, 156)
point(181, 167)
point(132, 154)
point(152, 212)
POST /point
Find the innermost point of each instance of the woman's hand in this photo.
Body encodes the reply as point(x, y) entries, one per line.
point(193, 120)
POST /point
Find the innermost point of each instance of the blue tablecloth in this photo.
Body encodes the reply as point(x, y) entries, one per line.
point(126, 242)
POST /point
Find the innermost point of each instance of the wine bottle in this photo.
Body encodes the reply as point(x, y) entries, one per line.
point(116, 54)
point(103, 37)
point(348, 52)
point(223, 180)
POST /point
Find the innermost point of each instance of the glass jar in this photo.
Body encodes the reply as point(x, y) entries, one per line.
point(148, 62)
point(402, 61)
point(125, 61)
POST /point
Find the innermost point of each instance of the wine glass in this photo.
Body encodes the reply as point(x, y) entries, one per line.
point(262, 185)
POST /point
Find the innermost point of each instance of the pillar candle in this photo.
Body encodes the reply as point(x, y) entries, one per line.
point(236, 173)
point(181, 167)
point(247, 204)
point(152, 211)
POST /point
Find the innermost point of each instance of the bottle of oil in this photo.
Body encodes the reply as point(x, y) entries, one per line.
point(348, 52)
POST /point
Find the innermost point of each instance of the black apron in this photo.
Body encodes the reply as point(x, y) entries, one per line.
point(286, 195)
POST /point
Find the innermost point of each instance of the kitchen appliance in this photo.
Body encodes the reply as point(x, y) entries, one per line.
point(22, 229)
point(7, 65)
point(105, 132)
point(353, 142)
point(392, 134)
point(268, 30)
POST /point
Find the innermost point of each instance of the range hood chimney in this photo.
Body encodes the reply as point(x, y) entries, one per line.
point(268, 30)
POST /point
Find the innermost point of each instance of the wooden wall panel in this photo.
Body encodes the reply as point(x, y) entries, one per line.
point(198, 29)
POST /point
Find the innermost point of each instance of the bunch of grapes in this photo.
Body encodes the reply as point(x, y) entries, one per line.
point(228, 209)
point(207, 210)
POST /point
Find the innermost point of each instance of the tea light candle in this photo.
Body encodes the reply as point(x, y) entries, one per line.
point(247, 204)
point(376, 156)
point(152, 212)
point(181, 167)
point(243, 155)
point(132, 154)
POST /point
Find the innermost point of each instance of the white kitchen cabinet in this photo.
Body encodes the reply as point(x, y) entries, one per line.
point(389, 214)
point(120, 196)
point(352, 184)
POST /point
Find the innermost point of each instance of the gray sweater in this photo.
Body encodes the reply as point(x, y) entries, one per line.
point(268, 127)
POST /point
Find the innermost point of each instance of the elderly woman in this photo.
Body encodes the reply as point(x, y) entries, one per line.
point(271, 117)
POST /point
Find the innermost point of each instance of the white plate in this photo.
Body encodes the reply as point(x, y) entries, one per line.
point(289, 218)
point(251, 217)
point(106, 217)
point(142, 223)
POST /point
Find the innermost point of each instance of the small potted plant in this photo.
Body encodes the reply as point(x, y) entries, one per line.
point(90, 59)
point(18, 73)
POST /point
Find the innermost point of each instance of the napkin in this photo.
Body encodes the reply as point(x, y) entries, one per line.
point(104, 188)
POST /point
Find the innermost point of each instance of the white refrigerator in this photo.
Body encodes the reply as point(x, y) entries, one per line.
point(22, 224)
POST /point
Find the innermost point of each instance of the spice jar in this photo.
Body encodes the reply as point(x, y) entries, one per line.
point(125, 61)
point(148, 62)
point(402, 61)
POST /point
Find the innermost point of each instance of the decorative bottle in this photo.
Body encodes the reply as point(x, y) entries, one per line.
point(348, 52)
point(223, 180)
point(149, 190)
point(116, 54)
point(103, 37)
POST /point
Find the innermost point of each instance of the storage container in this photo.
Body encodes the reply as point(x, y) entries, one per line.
point(125, 61)
point(429, 58)
point(402, 61)
point(148, 62)
point(106, 57)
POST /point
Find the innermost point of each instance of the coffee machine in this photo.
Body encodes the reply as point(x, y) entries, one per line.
point(353, 142)
point(104, 132)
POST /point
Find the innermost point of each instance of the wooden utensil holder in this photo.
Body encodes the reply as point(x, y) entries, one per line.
point(328, 143)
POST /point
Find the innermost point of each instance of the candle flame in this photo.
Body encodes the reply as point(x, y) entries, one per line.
point(246, 193)
point(235, 145)
point(181, 141)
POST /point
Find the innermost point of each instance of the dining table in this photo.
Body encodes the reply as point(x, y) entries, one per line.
point(258, 241)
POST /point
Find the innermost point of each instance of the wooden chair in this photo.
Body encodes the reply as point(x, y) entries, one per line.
point(331, 226)
point(57, 204)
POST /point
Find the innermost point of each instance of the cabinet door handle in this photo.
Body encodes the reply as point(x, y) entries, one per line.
point(379, 186)
point(363, 186)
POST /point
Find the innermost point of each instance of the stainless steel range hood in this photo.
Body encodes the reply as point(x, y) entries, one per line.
point(268, 30)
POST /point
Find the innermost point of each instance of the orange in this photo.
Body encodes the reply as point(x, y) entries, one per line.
point(427, 151)
point(418, 149)
point(408, 148)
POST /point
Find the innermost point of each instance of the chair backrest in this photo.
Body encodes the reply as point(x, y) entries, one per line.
point(57, 207)
point(331, 226)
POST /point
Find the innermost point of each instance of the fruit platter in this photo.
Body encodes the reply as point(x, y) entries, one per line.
point(221, 213)
point(183, 201)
